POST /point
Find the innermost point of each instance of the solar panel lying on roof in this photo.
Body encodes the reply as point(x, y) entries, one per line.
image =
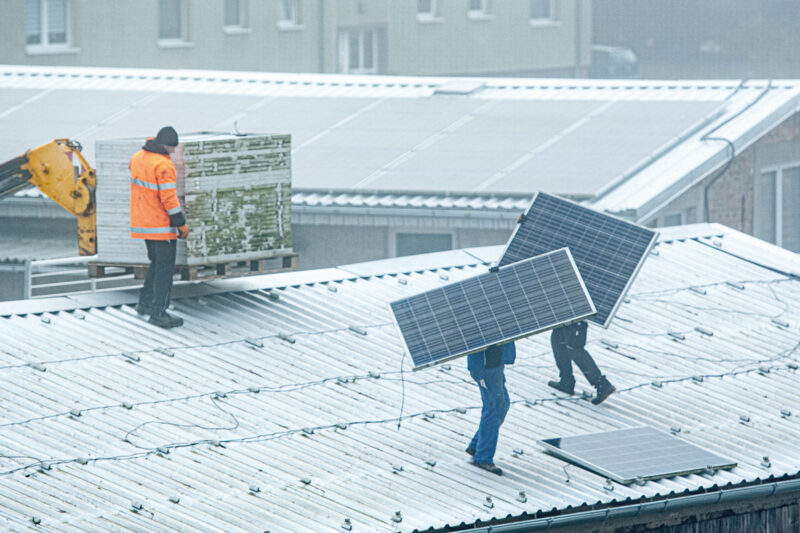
point(608, 251)
point(460, 318)
point(628, 455)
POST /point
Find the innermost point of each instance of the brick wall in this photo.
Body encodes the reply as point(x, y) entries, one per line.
point(730, 198)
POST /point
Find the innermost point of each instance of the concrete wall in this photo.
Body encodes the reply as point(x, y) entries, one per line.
point(12, 279)
point(327, 246)
point(320, 246)
point(116, 33)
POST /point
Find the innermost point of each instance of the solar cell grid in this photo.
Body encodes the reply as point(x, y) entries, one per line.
point(637, 453)
point(527, 297)
point(608, 251)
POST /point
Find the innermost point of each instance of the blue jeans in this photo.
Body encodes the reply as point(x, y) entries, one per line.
point(496, 402)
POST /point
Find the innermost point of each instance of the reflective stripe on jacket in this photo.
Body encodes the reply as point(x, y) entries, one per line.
point(154, 196)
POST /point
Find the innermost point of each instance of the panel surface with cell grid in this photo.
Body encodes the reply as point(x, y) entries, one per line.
point(608, 251)
point(635, 454)
point(517, 300)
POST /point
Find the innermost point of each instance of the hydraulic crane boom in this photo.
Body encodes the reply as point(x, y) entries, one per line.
point(53, 170)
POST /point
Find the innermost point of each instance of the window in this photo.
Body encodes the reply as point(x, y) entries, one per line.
point(172, 22)
point(542, 11)
point(358, 52)
point(428, 11)
point(423, 243)
point(776, 207)
point(478, 9)
point(235, 16)
point(288, 14)
point(790, 209)
point(673, 219)
point(47, 24)
point(764, 206)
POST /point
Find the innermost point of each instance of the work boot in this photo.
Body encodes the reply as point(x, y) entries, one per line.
point(470, 451)
point(142, 310)
point(164, 320)
point(490, 467)
point(604, 390)
point(567, 387)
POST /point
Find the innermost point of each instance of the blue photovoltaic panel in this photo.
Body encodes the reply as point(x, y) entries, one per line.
point(607, 250)
point(460, 318)
point(626, 455)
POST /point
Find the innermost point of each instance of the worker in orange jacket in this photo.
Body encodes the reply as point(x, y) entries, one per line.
point(157, 217)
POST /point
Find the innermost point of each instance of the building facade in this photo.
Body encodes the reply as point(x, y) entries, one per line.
point(756, 192)
point(425, 37)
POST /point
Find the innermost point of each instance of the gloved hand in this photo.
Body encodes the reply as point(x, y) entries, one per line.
point(183, 231)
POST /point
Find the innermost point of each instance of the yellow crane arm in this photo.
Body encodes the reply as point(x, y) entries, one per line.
point(59, 170)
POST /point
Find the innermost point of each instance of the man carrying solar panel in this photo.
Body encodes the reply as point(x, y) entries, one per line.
point(486, 368)
point(568, 345)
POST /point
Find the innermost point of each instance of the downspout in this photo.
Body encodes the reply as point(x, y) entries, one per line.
point(321, 36)
point(729, 162)
point(578, 6)
point(669, 504)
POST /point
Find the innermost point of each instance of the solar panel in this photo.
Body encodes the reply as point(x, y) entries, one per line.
point(517, 300)
point(608, 251)
point(628, 455)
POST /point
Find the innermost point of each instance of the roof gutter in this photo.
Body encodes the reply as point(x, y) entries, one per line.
point(669, 504)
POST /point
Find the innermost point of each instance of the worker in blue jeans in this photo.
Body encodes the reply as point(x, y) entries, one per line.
point(486, 368)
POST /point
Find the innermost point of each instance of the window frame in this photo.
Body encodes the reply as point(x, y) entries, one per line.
point(551, 20)
point(241, 27)
point(293, 23)
point(433, 15)
point(44, 47)
point(344, 51)
point(482, 13)
point(181, 41)
point(777, 208)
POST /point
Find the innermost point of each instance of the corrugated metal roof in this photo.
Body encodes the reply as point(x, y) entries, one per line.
point(422, 201)
point(276, 406)
point(358, 134)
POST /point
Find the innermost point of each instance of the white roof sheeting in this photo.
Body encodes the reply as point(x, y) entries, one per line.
point(598, 139)
point(280, 414)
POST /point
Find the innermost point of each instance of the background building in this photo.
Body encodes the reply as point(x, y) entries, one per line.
point(703, 39)
point(462, 37)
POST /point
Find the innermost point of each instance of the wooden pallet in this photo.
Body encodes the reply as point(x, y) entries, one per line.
point(229, 269)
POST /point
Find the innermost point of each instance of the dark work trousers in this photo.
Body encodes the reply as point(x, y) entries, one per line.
point(568, 345)
point(155, 293)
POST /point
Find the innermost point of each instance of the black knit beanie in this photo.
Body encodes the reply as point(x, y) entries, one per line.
point(167, 136)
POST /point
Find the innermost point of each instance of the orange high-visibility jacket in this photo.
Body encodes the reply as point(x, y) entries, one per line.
point(154, 196)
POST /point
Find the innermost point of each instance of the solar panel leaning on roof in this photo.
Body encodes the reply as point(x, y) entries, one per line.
point(517, 300)
point(608, 251)
point(640, 453)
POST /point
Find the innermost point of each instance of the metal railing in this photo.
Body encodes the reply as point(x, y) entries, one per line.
point(69, 275)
